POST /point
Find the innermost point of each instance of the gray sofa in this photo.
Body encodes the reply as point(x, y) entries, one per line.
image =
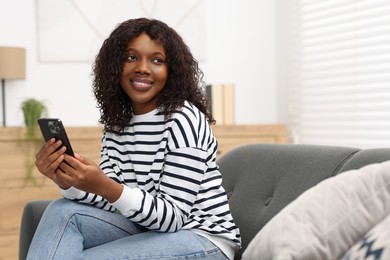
point(260, 180)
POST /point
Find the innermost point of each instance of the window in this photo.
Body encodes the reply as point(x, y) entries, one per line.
point(339, 72)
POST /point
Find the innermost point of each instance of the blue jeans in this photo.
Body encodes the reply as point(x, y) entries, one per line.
point(71, 230)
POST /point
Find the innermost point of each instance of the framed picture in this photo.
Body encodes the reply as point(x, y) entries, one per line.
point(74, 30)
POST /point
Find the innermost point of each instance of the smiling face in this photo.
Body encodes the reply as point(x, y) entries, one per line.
point(144, 73)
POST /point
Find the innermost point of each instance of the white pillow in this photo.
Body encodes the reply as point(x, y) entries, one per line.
point(374, 245)
point(326, 220)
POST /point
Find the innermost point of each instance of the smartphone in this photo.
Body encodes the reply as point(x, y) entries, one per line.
point(53, 127)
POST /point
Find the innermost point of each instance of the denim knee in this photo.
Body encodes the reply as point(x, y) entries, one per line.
point(64, 206)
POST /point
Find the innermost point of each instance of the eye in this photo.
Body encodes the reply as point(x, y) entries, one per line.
point(158, 60)
point(131, 57)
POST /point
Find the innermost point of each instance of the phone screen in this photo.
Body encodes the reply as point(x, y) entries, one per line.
point(53, 127)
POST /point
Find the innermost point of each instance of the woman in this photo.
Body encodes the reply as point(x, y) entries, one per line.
point(157, 192)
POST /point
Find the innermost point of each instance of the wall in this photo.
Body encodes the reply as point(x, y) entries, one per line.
point(240, 49)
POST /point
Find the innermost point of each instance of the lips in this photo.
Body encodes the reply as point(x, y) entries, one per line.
point(141, 84)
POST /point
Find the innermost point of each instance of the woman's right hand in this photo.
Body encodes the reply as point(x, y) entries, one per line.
point(49, 158)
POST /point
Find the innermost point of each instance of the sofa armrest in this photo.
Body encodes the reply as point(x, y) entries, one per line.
point(31, 216)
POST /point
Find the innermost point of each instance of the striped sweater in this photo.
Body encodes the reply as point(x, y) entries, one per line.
point(170, 176)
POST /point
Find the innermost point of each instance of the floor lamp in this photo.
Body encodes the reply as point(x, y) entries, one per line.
point(12, 66)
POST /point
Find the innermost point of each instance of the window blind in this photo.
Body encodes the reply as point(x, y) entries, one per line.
point(339, 72)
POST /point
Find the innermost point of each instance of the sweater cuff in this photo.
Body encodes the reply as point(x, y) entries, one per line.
point(73, 193)
point(129, 202)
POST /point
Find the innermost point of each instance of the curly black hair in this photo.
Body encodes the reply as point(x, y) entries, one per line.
point(184, 82)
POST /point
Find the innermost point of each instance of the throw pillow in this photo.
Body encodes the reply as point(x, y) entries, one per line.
point(328, 219)
point(374, 245)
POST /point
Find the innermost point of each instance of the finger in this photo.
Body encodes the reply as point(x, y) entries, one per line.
point(63, 179)
point(51, 171)
point(48, 143)
point(54, 165)
point(48, 154)
point(59, 152)
point(72, 162)
point(59, 171)
point(51, 162)
point(83, 159)
point(48, 148)
point(66, 168)
point(43, 149)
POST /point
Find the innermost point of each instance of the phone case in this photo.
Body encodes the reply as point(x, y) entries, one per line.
point(53, 127)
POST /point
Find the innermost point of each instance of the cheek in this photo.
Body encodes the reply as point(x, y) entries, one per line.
point(163, 75)
point(125, 72)
point(126, 68)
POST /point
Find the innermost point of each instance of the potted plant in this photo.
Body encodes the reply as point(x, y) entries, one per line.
point(32, 110)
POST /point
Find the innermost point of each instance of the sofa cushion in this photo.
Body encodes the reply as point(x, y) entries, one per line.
point(261, 179)
point(374, 245)
point(31, 216)
point(326, 220)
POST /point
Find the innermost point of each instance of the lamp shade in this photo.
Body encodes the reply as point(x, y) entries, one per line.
point(12, 63)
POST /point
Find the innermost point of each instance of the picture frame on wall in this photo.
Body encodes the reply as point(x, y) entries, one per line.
point(73, 31)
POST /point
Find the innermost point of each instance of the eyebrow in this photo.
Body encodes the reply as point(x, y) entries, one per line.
point(154, 53)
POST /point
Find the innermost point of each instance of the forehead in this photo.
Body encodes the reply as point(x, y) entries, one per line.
point(144, 42)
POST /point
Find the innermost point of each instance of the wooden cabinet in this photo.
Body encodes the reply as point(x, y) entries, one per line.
point(232, 136)
point(16, 191)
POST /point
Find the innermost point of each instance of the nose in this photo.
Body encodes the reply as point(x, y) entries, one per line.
point(143, 66)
